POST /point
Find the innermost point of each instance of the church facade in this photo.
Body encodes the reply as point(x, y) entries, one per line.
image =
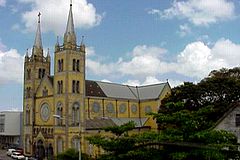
point(60, 110)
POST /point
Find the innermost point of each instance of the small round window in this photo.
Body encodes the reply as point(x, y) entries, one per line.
point(148, 109)
point(134, 108)
point(122, 108)
point(96, 107)
point(110, 108)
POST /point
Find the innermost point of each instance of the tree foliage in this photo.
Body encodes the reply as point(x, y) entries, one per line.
point(72, 154)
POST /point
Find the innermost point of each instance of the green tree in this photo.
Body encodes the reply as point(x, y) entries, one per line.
point(71, 154)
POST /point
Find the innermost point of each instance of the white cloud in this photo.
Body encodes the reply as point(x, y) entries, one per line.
point(198, 12)
point(146, 60)
point(55, 12)
point(105, 80)
point(152, 80)
point(11, 66)
point(196, 60)
point(132, 82)
point(184, 30)
point(90, 51)
point(2, 3)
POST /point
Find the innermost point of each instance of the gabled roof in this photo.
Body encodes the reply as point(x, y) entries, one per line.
point(49, 80)
point(229, 111)
point(119, 91)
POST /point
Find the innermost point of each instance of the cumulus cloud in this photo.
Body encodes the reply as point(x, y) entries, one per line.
point(184, 30)
point(2, 3)
point(11, 66)
point(198, 12)
point(90, 51)
point(196, 60)
point(146, 60)
point(152, 80)
point(55, 12)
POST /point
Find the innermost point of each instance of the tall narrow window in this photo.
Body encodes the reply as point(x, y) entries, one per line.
point(77, 87)
point(39, 73)
point(28, 75)
point(58, 87)
point(76, 143)
point(76, 113)
point(45, 92)
point(59, 113)
point(73, 64)
point(61, 87)
point(78, 65)
point(27, 116)
point(59, 145)
point(58, 66)
point(237, 120)
point(43, 73)
point(61, 64)
point(73, 86)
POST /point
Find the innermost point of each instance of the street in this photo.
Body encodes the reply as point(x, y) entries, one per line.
point(3, 155)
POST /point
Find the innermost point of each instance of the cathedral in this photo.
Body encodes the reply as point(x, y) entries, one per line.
point(62, 109)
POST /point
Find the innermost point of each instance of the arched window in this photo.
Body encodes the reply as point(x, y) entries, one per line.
point(78, 65)
point(28, 75)
point(76, 143)
point(45, 92)
point(76, 113)
point(60, 113)
point(59, 87)
point(59, 145)
point(60, 65)
point(73, 64)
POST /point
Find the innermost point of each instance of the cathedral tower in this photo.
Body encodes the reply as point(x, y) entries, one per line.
point(36, 67)
point(69, 85)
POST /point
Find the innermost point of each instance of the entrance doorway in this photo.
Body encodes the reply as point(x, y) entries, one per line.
point(40, 150)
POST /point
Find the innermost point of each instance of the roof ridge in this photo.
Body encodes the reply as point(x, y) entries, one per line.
point(140, 86)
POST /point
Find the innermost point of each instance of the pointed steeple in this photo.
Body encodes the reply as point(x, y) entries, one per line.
point(48, 56)
point(26, 56)
point(69, 36)
point(37, 47)
point(38, 38)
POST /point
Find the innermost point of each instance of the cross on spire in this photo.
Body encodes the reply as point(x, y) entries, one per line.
point(39, 14)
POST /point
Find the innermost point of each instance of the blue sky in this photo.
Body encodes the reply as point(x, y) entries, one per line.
point(135, 42)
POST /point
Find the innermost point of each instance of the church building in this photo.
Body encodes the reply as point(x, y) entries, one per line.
point(62, 109)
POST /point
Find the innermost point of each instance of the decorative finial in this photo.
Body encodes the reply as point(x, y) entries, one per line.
point(82, 40)
point(70, 2)
point(167, 80)
point(48, 51)
point(57, 40)
point(39, 14)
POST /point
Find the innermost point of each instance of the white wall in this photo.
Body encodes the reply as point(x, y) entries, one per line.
point(12, 123)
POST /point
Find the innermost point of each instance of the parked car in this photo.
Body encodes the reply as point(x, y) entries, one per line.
point(10, 151)
point(17, 155)
point(30, 158)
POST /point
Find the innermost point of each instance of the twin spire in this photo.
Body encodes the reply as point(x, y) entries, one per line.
point(38, 38)
point(69, 35)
